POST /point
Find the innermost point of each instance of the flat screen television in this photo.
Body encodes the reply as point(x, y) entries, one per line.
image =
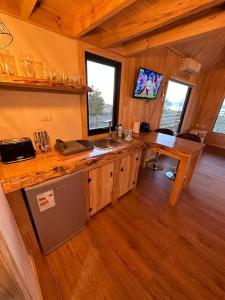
point(147, 85)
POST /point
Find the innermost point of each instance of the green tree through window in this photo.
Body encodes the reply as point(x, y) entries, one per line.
point(96, 103)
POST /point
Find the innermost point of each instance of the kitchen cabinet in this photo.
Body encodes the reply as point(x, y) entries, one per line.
point(128, 172)
point(113, 180)
point(101, 187)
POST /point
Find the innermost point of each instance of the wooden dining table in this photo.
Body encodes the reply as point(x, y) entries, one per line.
point(185, 151)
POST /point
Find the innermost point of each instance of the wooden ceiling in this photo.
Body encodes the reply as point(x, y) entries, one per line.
point(194, 28)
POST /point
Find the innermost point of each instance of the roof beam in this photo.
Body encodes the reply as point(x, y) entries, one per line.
point(182, 32)
point(27, 7)
point(97, 13)
point(159, 14)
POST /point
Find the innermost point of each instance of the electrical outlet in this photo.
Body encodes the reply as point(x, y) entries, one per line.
point(47, 118)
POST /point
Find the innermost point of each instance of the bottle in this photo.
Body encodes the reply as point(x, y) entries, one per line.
point(120, 130)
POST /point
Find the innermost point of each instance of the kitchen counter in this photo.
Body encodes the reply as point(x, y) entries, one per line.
point(52, 164)
point(170, 143)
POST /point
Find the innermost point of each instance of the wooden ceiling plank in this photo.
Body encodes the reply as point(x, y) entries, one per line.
point(27, 7)
point(96, 14)
point(183, 32)
point(159, 14)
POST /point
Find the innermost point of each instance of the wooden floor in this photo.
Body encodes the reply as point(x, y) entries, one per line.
point(143, 249)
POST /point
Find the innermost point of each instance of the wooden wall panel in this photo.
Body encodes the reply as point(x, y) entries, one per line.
point(211, 98)
point(164, 61)
point(14, 256)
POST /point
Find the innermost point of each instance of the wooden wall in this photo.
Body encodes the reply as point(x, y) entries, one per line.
point(22, 112)
point(164, 61)
point(210, 100)
point(69, 119)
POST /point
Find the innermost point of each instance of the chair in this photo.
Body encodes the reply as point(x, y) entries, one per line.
point(190, 136)
point(156, 166)
point(171, 174)
point(165, 131)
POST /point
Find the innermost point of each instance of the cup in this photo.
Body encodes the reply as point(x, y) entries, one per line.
point(27, 66)
point(8, 64)
point(38, 70)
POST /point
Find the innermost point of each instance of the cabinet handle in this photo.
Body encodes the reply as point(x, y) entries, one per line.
point(90, 209)
point(89, 180)
point(111, 174)
point(136, 158)
point(133, 182)
point(122, 169)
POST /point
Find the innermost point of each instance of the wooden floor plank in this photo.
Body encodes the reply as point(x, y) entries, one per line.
point(142, 248)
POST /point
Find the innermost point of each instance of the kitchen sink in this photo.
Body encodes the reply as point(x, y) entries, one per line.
point(106, 144)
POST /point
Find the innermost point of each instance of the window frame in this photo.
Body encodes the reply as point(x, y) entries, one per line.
point(116, 95)
point(215, 132)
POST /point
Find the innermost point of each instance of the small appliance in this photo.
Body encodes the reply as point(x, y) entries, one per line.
point(145, 127)
point(16, 149)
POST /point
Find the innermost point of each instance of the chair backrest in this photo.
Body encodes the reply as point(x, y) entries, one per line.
point(190, 136)
point(165, 131)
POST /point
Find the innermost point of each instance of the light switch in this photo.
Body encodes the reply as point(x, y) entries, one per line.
point(47, 117)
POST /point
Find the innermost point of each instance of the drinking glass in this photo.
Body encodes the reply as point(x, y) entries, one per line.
point(27, 66)
point(46, 74)
point(38, 69)
point(65, 77)
point(8, 64)
point(53, 75)
point(2, 64)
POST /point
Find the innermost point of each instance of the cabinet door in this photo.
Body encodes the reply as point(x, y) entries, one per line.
point(135, 164)
point(128, 173)
point(101, 187)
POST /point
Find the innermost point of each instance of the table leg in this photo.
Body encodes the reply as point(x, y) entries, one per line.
point(190, 170)
point(179, 181)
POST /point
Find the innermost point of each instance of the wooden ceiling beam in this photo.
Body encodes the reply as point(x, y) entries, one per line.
point(159, 14)
point(27, 7)
point(183, 32)
point(96, 14)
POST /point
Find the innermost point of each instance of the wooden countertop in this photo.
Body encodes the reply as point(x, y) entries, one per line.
point(173, 144)
point(52, 164)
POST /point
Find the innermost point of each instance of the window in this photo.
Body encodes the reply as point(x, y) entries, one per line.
point(175, 105)
point(103, 75)
point(219, 126)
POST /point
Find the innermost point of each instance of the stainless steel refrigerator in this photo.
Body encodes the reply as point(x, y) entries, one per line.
point(57, 209)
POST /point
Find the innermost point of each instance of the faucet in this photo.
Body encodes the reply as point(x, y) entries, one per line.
point(110, 127)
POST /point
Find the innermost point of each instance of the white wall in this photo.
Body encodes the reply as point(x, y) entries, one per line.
point(22, 112)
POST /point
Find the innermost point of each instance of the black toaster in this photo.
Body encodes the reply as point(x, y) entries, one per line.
point(18, 149)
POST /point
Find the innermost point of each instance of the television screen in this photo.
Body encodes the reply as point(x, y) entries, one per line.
point(148, 84)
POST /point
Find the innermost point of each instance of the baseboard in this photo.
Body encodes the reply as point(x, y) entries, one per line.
point(38, 288)
point(215, 150)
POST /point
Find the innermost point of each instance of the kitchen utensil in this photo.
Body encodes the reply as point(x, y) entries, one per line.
point(41, 139)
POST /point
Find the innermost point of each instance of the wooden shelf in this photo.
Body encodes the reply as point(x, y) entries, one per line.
point(20, 83)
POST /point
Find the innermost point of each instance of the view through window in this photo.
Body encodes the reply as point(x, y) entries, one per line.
point(174, 106)
point(219, 126)
point(102, 75)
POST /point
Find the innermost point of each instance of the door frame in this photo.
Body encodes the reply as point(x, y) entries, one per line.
point(186, 101)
